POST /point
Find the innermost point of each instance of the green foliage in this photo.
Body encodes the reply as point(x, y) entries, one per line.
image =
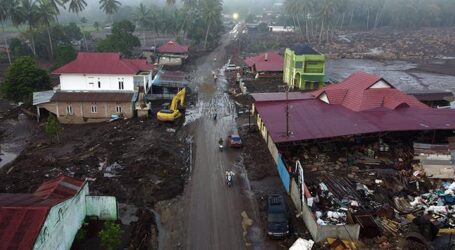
point(72, 31)
point(109, 6)
point(24, 77)
point(19, 48)
point(121, 40)
point(81, 234)
point(110, 235)
point(64, 54)
point(52, 127)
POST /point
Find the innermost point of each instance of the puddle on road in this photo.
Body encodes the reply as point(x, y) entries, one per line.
point(246, 223)
point(6, 158)
point(207, 88)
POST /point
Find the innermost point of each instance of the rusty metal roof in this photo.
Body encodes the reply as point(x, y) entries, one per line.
point(22, 215)
point(268, 62)
point(101, 96)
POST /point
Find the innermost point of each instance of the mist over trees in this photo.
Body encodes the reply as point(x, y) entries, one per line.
point(316, 19)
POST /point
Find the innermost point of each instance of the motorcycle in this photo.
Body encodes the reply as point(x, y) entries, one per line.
point(229, 178)
point(214, 116)
point(220, 147)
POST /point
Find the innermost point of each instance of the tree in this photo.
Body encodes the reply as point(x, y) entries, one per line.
point(18, 48)
point(143, 19)
point(46, 15)
point(6, 8)
point(73, 32)
point(53, 128)
point(211, 13)
point(121, 40)
point(64, 54)
point(96, 25)
point(26, 12)
point(24, 77)
point(110, 235)
point(110, 6)
point(84, 23)
point(76, 6)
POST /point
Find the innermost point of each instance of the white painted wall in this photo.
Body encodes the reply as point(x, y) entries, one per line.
point(83, 82)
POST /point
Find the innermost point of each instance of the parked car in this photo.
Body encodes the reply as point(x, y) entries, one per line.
point(235, 141)
point(277, 217)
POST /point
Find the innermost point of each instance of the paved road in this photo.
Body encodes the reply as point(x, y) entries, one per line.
point(214, 210)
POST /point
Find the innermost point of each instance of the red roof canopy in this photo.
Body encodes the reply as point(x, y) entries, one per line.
point(381, 110)
point(269, 61)
point(173, 47)
point(362, 91)
point(103, 63)
point(22, 215)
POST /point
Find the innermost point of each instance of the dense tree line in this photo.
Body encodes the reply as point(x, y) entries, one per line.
point(316, 19)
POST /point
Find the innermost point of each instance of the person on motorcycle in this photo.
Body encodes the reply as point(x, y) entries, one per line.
point(220, 141)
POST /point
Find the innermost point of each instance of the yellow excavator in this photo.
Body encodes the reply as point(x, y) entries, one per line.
point(170, 112)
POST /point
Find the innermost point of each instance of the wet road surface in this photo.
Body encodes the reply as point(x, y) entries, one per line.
point(214, 210)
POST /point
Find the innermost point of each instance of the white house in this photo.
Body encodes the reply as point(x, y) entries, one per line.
point(96, 86)
point(104, 72)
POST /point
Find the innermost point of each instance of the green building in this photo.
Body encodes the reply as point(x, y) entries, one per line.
point(304, 68)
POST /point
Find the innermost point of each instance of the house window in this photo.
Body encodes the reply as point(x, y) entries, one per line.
point(69, 109)
point(99, 84)
point(118, 109)
point(298, 65)
point(94, 108)
point(120, 85)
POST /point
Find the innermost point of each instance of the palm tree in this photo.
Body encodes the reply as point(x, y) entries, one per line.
point(5, 13)
point(326, 12)
point(84, 21)
point(76, 6)
point(143, 18)
point(46, 15)
point(26, 13)
point(211, 11)
point(110, 6)
point(171, 2)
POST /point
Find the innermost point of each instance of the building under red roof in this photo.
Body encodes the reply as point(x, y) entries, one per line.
point(172, 47)
point(361, 104)
point(266, 62)
point(22, 215)
point(103, 63)
point(362, 91)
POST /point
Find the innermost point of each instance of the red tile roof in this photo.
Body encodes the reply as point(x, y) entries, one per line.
point(69, 96)
point(173, 47)
point(269, 61)
point(357, 93)
point(103, 63)
point(22, 215)
point(354, 108)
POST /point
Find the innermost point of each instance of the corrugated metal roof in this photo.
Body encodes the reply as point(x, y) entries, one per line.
point(280, 96)
point(173, 47)
point(269, 61)
point(314, 119)
point(359, 95)
point(355, 108)
point(42, 97)
point(22, 215)
point(102, 96)
point(103, 63)
point(430, 95)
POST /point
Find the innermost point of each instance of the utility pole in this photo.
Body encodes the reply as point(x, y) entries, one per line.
point(286, 89)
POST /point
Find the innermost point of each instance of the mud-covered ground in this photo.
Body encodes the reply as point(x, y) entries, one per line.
point(147, 164)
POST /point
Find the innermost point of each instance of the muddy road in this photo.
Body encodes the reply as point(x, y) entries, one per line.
point(216, 216)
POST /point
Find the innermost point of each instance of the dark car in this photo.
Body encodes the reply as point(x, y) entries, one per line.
point(234, 141)
point(277, 217)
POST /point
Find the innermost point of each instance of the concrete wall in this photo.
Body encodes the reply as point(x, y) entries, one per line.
point(62, 223)
point(164, 60)
point(90, 82)
point(82, 111)
point(102, 207)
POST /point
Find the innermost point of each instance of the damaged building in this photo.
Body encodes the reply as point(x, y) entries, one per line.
point(349, 155)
